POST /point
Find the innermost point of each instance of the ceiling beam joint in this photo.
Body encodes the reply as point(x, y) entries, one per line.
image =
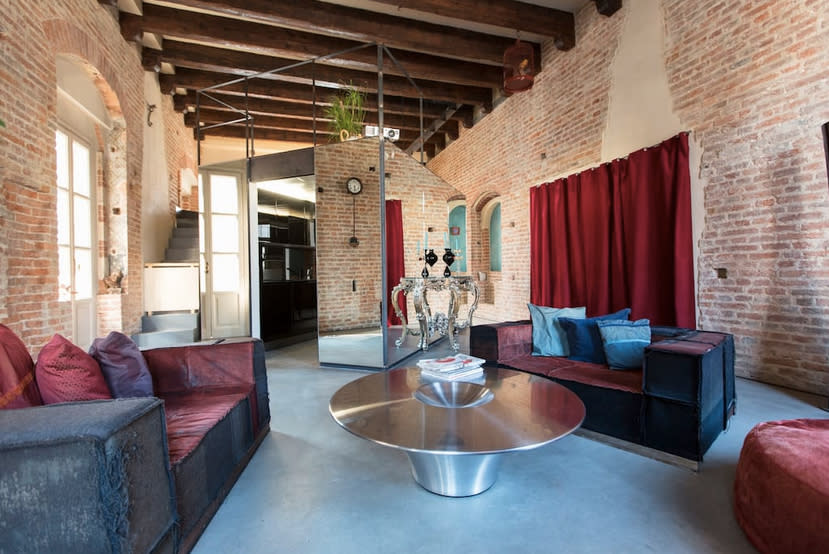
point(608, 7)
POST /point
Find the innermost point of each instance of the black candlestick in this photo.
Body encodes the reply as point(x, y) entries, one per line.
point(448, 259)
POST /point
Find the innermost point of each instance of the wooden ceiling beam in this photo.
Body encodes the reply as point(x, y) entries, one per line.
point(362, 26)
point(210, 116)
point(260, 107)
point(608, 7)
point(510, 14)
point(451, 128)
point(236, 63)
point(291, 44)
point(131, 25)
point(259, 134)
point(298, 93)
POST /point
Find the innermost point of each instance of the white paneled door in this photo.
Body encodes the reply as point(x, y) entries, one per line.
point(76, 234)
point(223, 255)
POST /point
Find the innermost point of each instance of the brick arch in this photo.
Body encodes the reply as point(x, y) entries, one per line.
point(483, 199)
point(68, 39)
point(114, 246)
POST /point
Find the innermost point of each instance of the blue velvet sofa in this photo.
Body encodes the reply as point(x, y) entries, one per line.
point(135, 474)
point(678, 402)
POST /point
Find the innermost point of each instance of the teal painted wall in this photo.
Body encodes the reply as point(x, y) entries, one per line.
point(457, 218)
point(495, 239)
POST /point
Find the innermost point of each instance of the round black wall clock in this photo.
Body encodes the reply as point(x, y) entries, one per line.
point(354, 185)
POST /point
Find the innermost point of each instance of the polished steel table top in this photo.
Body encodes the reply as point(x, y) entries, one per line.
point(502, 411)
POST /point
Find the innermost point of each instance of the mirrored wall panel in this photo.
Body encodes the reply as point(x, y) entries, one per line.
point(350, 259)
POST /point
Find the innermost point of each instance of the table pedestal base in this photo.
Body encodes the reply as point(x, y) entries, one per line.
point(455, 475)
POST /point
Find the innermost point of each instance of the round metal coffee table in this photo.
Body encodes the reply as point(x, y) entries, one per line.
point(455, 432)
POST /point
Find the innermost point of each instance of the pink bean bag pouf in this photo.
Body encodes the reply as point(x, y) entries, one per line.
point(781, 491)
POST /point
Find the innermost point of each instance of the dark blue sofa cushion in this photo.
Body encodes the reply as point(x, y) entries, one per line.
point(584, 339)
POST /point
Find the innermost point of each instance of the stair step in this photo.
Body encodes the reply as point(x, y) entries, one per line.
point(172, 321)
point(192, 232)
point(183, 242)
point(157, 339)
point(187, 219)
point(181, 255)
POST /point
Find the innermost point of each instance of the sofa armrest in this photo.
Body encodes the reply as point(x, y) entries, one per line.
point(694, 368)
point(688, 385)
point(662, 332)
point(233, 363)
point(498, 342)
point(107, 459)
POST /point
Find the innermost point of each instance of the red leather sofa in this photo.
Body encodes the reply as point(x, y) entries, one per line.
point(134, 474)
point(679, 402)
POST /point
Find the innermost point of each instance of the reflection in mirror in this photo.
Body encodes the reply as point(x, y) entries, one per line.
point(424, 201)
point(349, 271)
point(487, 249)
point(350, 277)
point(457, 234)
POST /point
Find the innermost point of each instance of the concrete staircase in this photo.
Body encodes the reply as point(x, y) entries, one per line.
point(175, 327)
point(183, 245)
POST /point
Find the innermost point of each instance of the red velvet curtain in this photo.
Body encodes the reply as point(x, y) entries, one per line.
point(617, 236)
point(395, 266)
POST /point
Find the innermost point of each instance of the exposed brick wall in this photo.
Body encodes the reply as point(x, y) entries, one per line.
point(755, 88)
point(750, 80)
point(32, 35)
point(561, 117)
point(337, 262)
point(181, 154)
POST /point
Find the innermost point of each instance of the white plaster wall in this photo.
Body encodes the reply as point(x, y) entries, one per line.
point(156, 219)
point(640, 111)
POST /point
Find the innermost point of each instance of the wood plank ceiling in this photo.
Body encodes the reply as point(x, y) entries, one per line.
point(452, 49)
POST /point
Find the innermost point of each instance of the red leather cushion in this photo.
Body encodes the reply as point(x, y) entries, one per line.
point(65, 373)
point(17, 373)
point(123, 366)
point(191, 416)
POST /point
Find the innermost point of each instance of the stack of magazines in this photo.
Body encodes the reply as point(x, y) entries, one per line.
point(459, 366)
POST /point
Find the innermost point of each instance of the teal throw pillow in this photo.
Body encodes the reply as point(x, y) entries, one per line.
point(584, 339)
point(548, 336)
point(625, 342)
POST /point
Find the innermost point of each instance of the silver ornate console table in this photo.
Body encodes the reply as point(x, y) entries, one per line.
point(443, 324)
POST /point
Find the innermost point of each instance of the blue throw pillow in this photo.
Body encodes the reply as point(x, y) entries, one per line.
point(625, 342)
point(548, 336)
point(584, 339)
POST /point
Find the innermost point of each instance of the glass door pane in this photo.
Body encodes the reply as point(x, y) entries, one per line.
point(75, 212)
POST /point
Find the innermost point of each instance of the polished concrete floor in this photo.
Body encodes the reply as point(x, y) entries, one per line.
point(313, 487)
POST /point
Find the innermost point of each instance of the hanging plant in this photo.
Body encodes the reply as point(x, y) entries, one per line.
point(2, 123)
point(346, 112)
